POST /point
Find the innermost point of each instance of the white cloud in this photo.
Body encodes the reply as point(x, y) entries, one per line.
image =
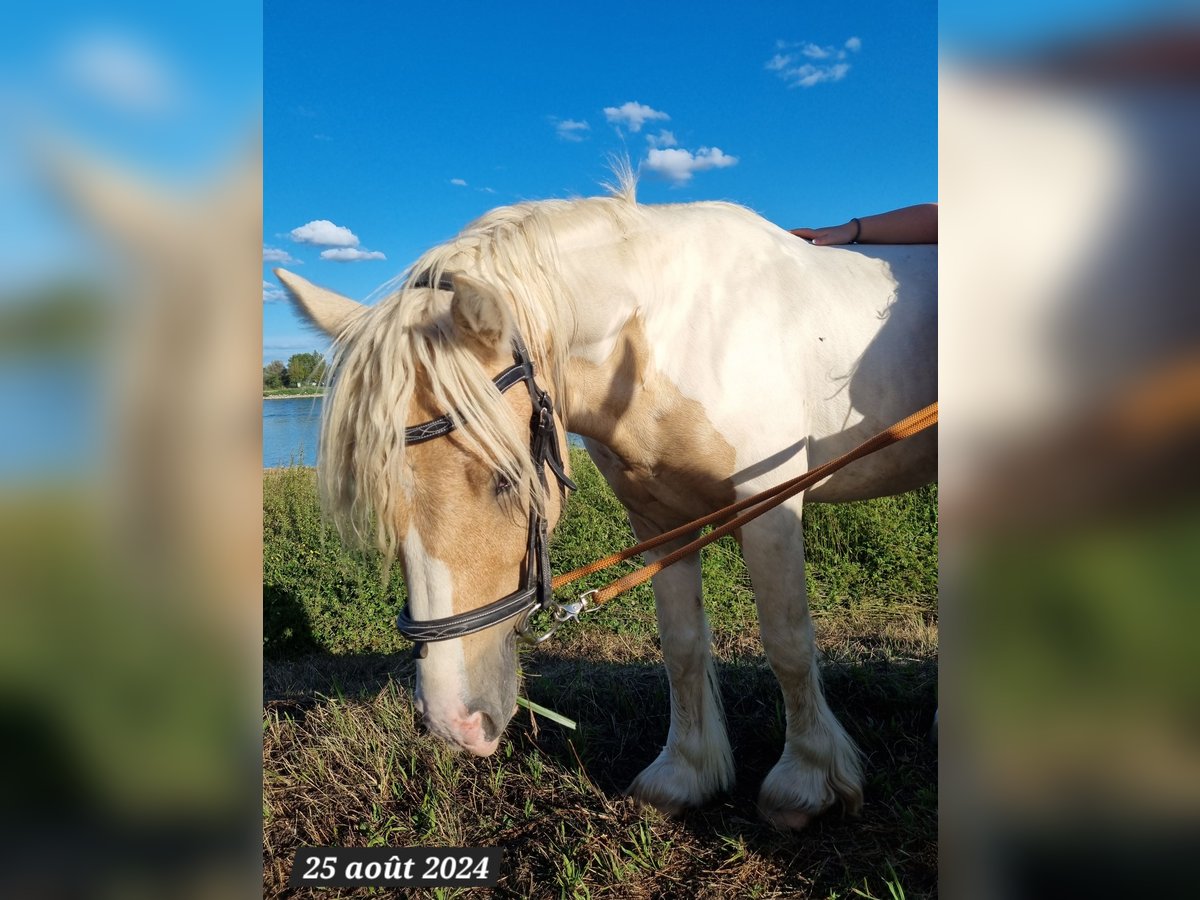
point(458, 182)
point(632, 115)
point(324, 233)
point(121, 71)
point(275, 255)
point(272, 293)
point(350, 254)
point(809, 75)
point(664, 138)
point(828, 63)
point(679, 165)
point(572, 130)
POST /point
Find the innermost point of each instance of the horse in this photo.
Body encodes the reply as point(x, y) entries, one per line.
point(703, 354)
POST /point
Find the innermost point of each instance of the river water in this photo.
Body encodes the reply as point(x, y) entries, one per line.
point(290, 429)
point(291, 426)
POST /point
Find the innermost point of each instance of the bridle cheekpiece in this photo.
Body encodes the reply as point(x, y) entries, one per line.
point(536, 593)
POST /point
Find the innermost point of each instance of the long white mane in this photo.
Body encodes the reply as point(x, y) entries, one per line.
point(364, 480)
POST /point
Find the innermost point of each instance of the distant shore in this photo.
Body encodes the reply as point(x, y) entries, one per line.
point(283, 395)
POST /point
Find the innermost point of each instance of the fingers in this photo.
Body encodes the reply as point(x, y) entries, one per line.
point(818, 236)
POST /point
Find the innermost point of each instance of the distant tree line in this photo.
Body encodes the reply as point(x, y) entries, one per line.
point(302, 370)
point(55, 316)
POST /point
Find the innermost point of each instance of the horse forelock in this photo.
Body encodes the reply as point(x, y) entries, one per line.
point(407, 344)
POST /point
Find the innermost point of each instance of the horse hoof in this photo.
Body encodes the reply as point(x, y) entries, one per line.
point(645, 793)
point(793, 795)
point(786, 819)
point(672, 809)
point(671, 785)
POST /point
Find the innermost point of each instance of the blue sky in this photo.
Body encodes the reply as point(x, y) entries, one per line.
point(400, 123)
point(167, 93)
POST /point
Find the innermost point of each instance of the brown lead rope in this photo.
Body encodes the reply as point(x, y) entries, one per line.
point(757, 505)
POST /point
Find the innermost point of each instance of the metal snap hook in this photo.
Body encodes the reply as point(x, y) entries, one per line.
point(561, 612)
point(570, 612)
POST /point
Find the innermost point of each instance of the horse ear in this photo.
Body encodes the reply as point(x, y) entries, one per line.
point(479, 314)
point(127, 209)
point(328, 311)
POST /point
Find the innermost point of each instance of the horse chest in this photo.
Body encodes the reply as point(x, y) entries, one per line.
point(658, 449)
point(664, 490)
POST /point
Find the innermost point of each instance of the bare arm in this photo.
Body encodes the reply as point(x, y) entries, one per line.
point(909, 225)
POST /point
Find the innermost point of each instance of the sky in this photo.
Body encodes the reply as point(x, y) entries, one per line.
point(165, 93)
point(389, 127)
point(399, 123)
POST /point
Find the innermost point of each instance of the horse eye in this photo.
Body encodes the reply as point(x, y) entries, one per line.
point(503, 485)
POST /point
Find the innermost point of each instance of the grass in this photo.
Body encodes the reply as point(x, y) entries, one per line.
point(294, 392)
point(345, 762)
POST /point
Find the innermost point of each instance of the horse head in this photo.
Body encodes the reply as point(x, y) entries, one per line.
point(455, 499)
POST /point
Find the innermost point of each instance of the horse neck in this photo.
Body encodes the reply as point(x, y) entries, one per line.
point(607, 353)
point(618, 381)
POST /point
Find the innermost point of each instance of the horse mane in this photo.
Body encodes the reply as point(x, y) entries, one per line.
point(408, 339)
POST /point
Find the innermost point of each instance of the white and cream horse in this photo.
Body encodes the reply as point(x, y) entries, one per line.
point(704, 354)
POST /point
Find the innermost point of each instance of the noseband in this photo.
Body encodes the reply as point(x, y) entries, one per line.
point(536, 594)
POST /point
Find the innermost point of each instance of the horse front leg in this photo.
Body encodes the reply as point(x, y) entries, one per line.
point(820, 763)
point(696, 763)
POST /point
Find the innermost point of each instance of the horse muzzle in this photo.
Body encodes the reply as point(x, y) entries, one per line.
point(475, 730)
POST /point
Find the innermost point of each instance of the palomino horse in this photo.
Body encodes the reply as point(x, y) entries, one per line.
point(704, 354)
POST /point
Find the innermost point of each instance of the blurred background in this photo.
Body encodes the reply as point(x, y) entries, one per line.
point(130, 473)
point(130, 487)
point(1070, 392)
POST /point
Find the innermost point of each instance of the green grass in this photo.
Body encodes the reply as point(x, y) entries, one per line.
point(879, 555)
point(345, 762)
point(317, 595)
point(294, 392)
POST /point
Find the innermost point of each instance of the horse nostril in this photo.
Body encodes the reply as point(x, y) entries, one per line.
point(490, 729)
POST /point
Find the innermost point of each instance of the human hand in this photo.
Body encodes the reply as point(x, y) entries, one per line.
point(830, 234)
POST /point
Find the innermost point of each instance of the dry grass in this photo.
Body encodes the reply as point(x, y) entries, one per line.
point(345, 762)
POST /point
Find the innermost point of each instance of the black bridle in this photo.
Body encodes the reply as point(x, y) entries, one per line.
point(537, 593)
